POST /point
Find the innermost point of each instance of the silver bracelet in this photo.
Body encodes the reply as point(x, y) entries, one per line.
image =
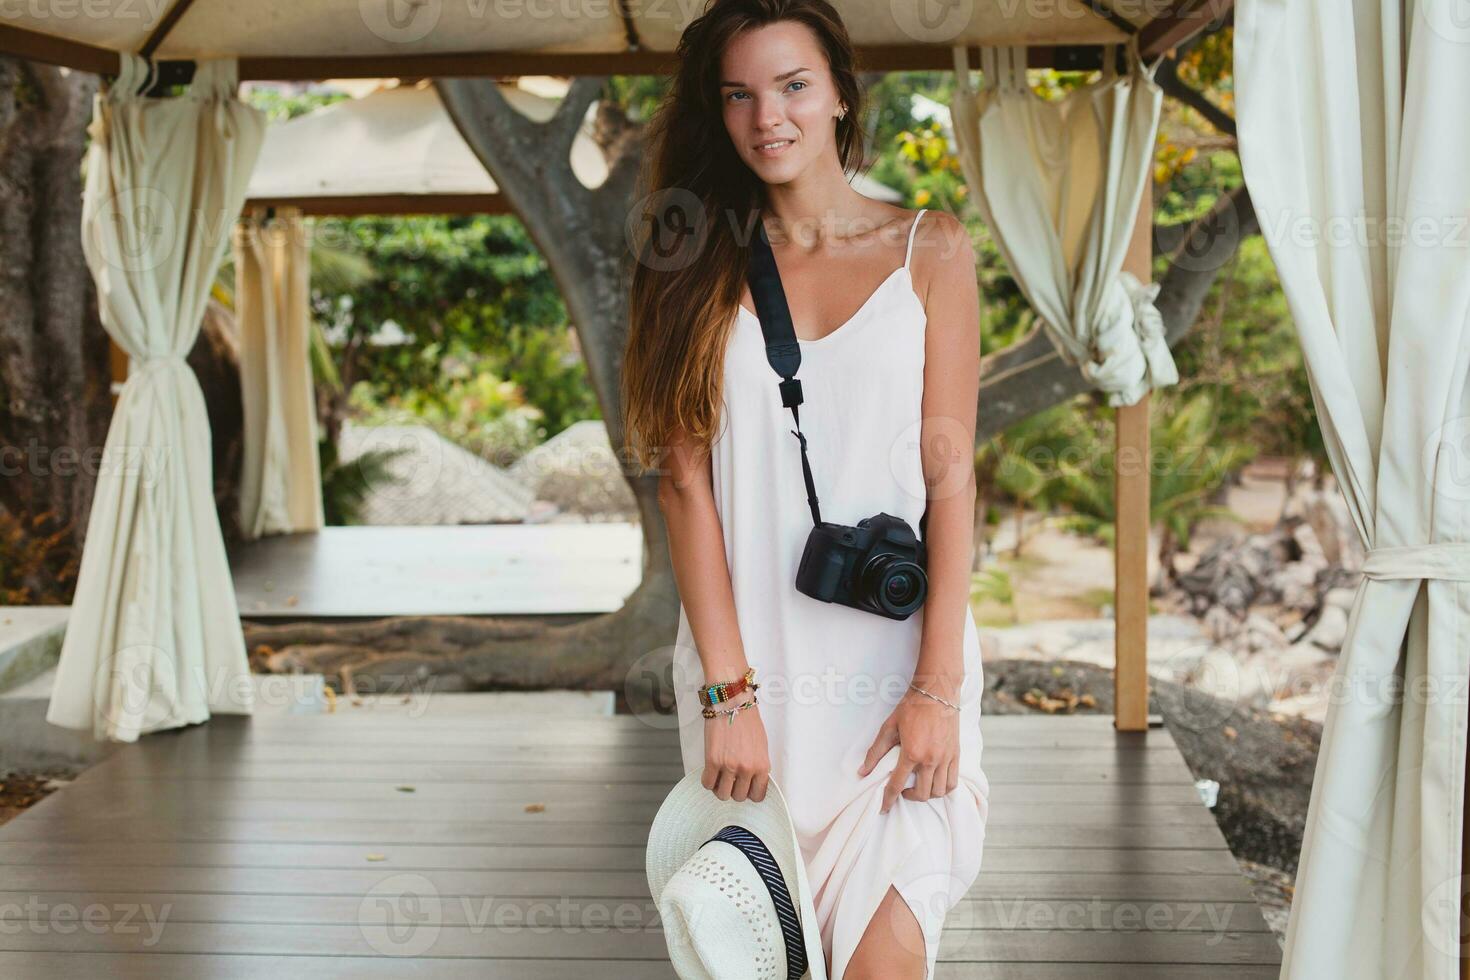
point(934, 696)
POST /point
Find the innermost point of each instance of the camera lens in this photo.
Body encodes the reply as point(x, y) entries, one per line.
point(895, 585)
point(901, 588)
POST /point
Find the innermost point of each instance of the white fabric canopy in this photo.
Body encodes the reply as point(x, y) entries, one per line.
point(154, 639)
point(366, 28)
point(1355, 158)
point(1059, 184)
point(280, 475)
point(397, 140)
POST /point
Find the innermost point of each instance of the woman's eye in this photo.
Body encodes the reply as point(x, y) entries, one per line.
point(799, 82)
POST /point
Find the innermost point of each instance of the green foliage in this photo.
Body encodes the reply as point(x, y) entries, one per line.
point(1189, 460)
point(471, 290)
point(995, 585)
point(468, 403)
point(346, 485)
point(279, 104)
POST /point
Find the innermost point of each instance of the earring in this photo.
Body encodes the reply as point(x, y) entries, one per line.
point(842, 112)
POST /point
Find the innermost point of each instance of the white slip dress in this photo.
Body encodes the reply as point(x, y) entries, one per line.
point(831, 674)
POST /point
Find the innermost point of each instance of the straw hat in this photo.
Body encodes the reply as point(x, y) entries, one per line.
point(731, 889)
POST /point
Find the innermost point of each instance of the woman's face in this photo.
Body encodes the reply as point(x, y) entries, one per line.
point(776, 87)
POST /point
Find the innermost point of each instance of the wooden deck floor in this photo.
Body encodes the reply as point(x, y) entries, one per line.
point(307, 846)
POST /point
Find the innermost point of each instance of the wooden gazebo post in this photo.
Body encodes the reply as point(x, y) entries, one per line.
point(1131, 510)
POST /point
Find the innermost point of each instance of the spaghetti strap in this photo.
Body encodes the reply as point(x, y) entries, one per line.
point(913, 228)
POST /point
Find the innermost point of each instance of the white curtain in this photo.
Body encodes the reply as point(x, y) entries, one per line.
point(1059, 184)
point(280, 479)
point(153, 639)
point(1355, 144)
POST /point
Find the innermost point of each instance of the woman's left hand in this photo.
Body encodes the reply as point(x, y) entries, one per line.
point(928, 736)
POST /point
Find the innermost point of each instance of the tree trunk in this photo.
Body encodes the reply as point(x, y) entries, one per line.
point(54, 371)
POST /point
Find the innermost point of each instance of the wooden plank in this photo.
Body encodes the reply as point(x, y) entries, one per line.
point(177, 966)
point(1171, 772)
point(178, 802)
point(567, 791)
point(626, 857)
point(1019, 946)
point(584, 883)
point(431, 941)
point(1023, 730)
point(593, 788)
point(380, 833)
point(18, 908)
point(491, 755)
point(171, 966)
point(399, 204)
point(483, 569)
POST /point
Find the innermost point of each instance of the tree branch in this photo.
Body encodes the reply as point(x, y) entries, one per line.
point(1030, 376)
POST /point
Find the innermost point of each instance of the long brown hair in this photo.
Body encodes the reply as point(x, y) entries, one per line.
point(697, 208)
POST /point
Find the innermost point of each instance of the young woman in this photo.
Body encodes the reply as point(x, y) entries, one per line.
point(870, 725)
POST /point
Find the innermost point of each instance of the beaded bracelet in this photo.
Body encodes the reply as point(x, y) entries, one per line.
point(712, 694)
point(709, 712)
point(730, 713)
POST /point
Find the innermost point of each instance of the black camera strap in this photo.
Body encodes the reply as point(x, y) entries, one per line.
point(782, 348)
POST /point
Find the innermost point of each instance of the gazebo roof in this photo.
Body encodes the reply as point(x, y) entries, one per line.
point(300, 39)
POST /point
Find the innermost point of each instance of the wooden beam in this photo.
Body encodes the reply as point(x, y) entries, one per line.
point(1131, 520)
point(390, 204)
point(165, 25)
point(1188, 18)
point(47, 49)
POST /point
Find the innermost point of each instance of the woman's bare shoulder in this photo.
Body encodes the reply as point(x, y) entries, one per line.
point(942, 252)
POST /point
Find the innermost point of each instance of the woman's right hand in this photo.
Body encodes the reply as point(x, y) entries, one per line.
point(737, 763)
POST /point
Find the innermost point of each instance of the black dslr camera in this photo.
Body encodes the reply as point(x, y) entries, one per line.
point(877, 566)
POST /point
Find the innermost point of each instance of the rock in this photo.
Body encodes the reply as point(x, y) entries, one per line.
point(1330, 630)
point(1218, 674)
point(1306, 538)
point(1263, 633)
point(1297, 583)
point(1220, 624)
